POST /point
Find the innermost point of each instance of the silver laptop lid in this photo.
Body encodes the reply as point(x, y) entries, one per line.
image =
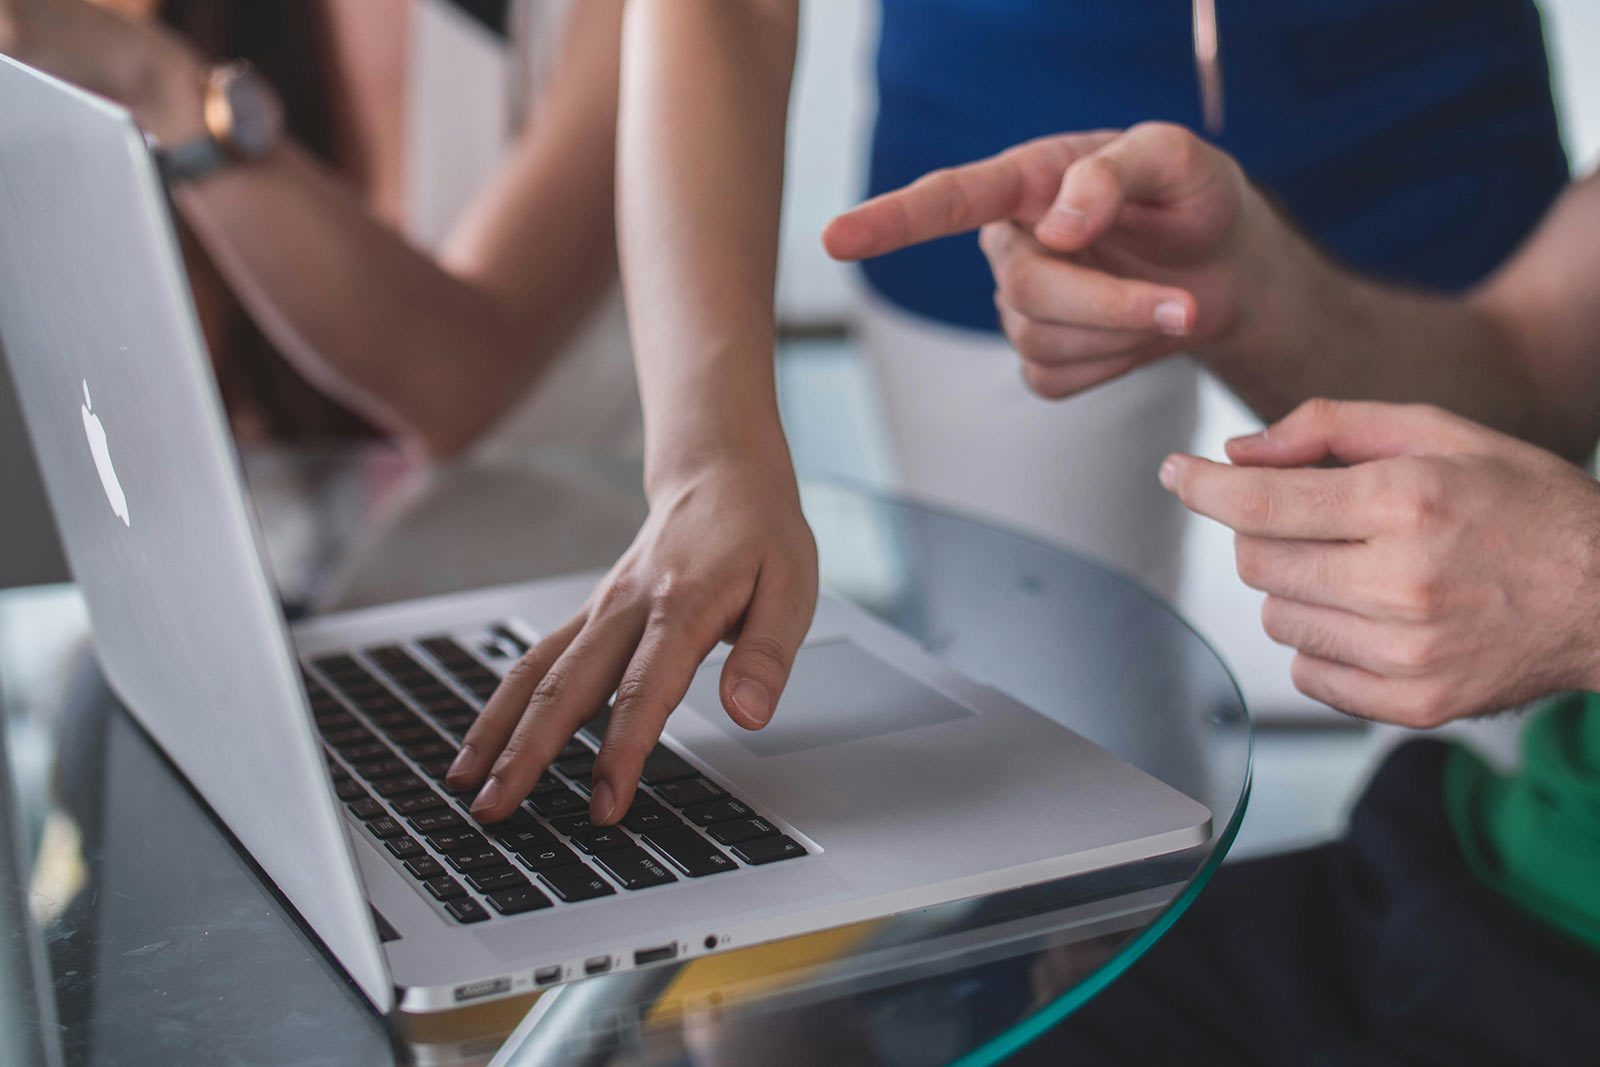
point(98, 325)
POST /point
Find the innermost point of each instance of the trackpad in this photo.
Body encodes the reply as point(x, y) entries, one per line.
point(838, 692)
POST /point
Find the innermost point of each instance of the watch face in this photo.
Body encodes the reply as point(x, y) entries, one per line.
point(256, 118)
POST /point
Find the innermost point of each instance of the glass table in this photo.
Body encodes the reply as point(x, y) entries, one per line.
point(139, 934)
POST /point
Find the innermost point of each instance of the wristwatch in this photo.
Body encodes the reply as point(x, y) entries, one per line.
point(243, 120)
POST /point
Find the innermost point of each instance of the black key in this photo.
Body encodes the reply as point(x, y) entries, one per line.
point(429, 690)
point(545, 857)
point(466, 910)
point(489, 881)
point(457, 840)
point(768, 850)
point(391, 716)
point(349, 735)
point(563, 803)
point(577, 766)
point(686, 791)
point(634, 868)
point(365, 808)
point(403, 847)
point(436, 767)
point(526, 840)
point(731, 833)
point(445, 650)
point(516, 901)
point(644, 818)
point(337, 667)
point(458, 724)
point(385, 766)
point(475, 859)
point(359, 752)
point(419, 803)
point(349, 789)
point(384, 826)
point(547, 783)
point(601, 839)
point(572, 824)
point(333, 719)
point(665, 765)
point(507, 634)
point(436, 821)
point(448, 707)
point(416, 734)
point(725, 810)
point(519, 819)
point(575, 882)
point(689, 852)
point(424, 867)
point(399, 786)
point(437, 748)
point(444, 887)
point(574, 749)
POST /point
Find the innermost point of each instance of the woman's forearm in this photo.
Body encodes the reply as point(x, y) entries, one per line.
point(433, 349)
point(703, 109)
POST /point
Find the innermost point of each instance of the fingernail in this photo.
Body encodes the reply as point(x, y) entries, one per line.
point(601, 804)
point(1169, 473)
point(459, 765)
point(487, 796)
point(1065, 223)
point(1172, 318)
point(753, 701)
point(1248, 439)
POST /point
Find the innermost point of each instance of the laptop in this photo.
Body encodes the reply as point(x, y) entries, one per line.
point(886, 782)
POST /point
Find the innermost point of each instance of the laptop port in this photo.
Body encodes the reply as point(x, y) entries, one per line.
point(474, 990)
point(654, 955)
point(597, 965)
point(546, 975)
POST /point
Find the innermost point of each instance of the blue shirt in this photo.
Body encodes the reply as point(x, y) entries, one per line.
point(1416, 140)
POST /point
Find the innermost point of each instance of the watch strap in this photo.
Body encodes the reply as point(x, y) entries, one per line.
point(193, 160)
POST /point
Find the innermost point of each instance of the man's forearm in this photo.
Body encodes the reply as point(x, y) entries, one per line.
point(703, 109)
point(1309, 328)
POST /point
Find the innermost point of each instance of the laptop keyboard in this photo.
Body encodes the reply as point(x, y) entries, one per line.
point(391, 720)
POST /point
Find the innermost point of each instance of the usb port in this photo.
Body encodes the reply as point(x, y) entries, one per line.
point(546, 975)
point(489, 988)
point(654, 955)
point(597, 965)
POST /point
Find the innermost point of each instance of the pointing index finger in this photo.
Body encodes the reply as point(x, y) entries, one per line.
point(1016, 184)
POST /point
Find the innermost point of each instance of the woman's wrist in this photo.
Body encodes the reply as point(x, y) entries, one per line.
point(744, 452)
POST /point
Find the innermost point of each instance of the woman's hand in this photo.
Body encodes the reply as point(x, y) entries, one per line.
point(1447, 571)
point(139, 64)
point(725, 553)
point(1109, 250)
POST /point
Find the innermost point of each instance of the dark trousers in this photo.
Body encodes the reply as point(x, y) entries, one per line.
point(1380, 948)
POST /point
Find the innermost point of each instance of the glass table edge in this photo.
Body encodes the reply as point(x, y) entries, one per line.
point(1032, 1026)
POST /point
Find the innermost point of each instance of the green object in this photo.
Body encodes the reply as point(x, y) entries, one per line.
point(1535, 835)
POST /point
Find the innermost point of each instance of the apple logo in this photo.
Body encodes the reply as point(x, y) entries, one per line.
point(101, 450)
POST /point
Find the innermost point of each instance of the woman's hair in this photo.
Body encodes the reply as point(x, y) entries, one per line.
point(289, 43)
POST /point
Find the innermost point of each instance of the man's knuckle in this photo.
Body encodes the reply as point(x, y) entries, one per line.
point(1318, 411)
point(765, 651)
